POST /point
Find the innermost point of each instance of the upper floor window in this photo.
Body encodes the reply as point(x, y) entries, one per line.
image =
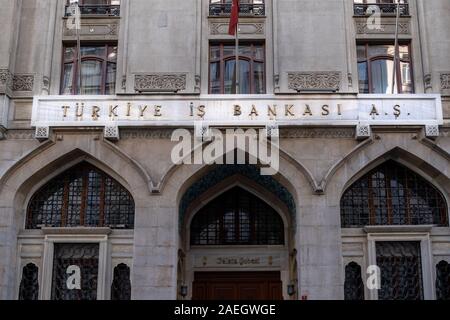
point(222, 69)
point(392, 194)
point(384, 7)
point(376, 67)
point(98, 70)
point(237, 218)
point(96, 7)
point(246, 7)
point(81, 196)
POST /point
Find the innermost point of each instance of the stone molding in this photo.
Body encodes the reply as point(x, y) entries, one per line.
point(319, 80)
point(158, 82)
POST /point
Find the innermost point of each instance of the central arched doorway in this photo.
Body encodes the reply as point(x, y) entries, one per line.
point(236, 244)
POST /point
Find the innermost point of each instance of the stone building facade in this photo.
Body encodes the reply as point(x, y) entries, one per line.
point(93, 207)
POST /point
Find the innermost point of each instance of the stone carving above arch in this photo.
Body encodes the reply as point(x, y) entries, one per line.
point(51, 155)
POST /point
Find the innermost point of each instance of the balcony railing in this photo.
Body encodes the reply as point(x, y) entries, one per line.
point(245, 9)
point(363, 9)
point(100, 10)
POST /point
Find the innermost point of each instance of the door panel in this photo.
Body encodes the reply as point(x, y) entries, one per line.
point(237, 286)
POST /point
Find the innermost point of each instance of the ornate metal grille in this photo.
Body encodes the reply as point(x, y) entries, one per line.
point(29, 285)
point(81, 196)
point(392, 194)
point(362, 9)
point(401, 270)
point(443, 281)
point(237, 218)
point(246, 8)
point(353, 286)
point(84, 256)
point(104, 10)
point(121, 285)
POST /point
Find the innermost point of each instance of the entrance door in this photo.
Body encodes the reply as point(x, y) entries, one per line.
point(237, 286)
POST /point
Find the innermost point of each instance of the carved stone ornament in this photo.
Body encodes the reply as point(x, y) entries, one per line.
point(42, 133)
point(160, 82)
point(363, 131)
point(445, 81)
point(432, 131)
point(23, 82)
point(5, 79)
point(111, 133)
point(328, 80)
point(384, 28)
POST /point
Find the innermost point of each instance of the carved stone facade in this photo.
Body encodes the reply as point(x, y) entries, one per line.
point(23, 82)
point(299, 81)
point(386, 27)
point(245, 28)
point(445, 81)
point(94, 29)
point(15, 82)
point(160, 82)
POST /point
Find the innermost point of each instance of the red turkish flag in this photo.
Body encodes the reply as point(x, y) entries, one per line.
point(234, 19)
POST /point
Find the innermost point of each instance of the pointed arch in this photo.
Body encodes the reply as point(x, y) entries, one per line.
point(237, 217)
point(82, 195)
point(392, 194)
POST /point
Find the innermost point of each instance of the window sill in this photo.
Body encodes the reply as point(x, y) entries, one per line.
point(404, 228)
point(77, 231)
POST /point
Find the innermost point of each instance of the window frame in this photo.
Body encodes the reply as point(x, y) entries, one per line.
point(225, 58)
point(74, 62)
point(398, 71)
point(428, 272)
point(49, 250)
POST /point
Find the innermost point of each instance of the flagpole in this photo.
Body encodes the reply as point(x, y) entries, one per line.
point(395, 47)
point(237, 59)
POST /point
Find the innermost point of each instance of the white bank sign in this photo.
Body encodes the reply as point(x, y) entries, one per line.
point(71, 111)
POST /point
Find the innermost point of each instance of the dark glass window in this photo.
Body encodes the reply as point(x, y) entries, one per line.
point(443, 281)
point(392, 194)
point(401, 270)
point(98, 70)
point(375, 68)
point(81, 196)
point(29, 285)
point(121, 286)
point(353, 286)
point(75, 271)
point(222, 70)
point(237, 218)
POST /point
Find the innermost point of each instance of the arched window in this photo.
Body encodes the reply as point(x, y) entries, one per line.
point(98, 70)
point(392, 194)
point(237, 218)
point(375, 65)
point(81, 196)
point(29, 285)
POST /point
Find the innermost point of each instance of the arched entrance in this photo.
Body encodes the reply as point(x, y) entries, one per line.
point(236, 238)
